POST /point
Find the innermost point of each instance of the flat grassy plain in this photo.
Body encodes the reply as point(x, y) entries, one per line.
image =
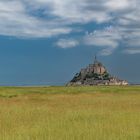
point(70, 113)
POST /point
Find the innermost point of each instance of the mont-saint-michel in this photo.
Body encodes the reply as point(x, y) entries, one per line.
point(95, 74)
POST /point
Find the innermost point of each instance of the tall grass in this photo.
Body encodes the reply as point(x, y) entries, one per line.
point(70, 113)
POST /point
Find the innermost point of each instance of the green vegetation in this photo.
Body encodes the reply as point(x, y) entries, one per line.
point(93, 75)
point(96, 76)
point(106, 76)
point(70, 113)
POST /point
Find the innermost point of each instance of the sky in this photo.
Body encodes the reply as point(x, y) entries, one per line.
point(45, 42)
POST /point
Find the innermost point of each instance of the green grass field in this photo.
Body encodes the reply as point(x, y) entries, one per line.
point(70, 113)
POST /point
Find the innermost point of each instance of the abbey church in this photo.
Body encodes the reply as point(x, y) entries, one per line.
point(97, 68)
point(95, 74)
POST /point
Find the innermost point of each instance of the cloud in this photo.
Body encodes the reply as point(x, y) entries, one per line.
point(46, 18)
point(71, 11)
point(67, 43)
point(49, 18)
point(115, 5)
point(107, 39)
point(16, 21)
point(132, 51)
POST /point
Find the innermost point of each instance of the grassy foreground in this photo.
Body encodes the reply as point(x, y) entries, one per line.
point(70, 113)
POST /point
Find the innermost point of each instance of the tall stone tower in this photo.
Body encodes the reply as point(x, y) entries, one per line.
point(98, 67)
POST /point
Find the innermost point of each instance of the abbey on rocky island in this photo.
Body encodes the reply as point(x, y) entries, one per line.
point(95, 74)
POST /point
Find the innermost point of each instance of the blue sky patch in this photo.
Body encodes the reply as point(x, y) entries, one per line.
point(45, 42)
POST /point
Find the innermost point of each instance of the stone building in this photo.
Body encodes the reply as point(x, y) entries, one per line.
point(96, 67)
point(95, 74)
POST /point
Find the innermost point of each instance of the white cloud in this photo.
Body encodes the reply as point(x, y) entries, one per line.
point(132, 51)
point(15, 21)
point(71, 11)
point(67, 43)
point(113, 5)
point(107, 39)
point(18, 17)
point(48, 18)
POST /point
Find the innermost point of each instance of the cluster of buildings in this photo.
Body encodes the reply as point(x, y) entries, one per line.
point(95, 74)
point(96, 67)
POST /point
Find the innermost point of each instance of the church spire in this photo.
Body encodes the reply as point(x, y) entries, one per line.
point(95, 59)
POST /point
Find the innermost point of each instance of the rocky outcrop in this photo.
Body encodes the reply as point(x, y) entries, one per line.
point(95, 74)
